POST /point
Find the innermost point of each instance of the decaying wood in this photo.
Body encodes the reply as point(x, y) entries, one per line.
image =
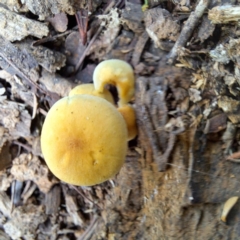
point(161, 28)
point(18, 119)
point(24, 221)
point(15, 27)
point(49, 8)
point(48, 59)
point(206, 29)
point(56, 83)
point(140, 44)
point(23, 64)
point(18, 62)
point(123, 204)
point(53, 200)
point(160, 25)
point(224, 53)
point(27, 167)
point(72, 208)
point(230, 107)
point(187, 30)
point(176, 177)
point(216, 123)
point(157, 109)
point(224, 14)
point(132, 16)
point(59, 22)
point(5, 157)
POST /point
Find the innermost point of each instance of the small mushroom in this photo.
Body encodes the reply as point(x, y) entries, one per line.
point(84, 140)
point(129, 116)
point(89, 89)
point(118, 73)
point(228, 205)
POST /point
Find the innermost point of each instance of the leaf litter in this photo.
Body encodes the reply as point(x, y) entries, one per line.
point(187, 116)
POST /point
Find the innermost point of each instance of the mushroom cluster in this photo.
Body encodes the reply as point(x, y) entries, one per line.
point(84, 136)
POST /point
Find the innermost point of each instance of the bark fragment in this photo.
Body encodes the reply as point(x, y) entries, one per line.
point(16, 27)
point(224, 14)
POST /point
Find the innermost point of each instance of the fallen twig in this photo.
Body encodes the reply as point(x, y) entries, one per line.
point(85, 197)
point(90, 230)
point(52, 38)
point(187, 30)
point(87, 49)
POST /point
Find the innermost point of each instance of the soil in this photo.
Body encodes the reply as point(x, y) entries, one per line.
point(184, 164)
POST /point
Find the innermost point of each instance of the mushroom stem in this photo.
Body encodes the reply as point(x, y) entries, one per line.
point(118, 73)
point(129, 116)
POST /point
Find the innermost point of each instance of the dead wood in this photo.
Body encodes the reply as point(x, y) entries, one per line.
point(224, 14)
point(16, 27)
point(183, 165)
point(188, 29)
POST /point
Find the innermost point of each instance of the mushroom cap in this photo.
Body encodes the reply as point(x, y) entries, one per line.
point(84, 140)
point(89, 89)
point(118, 73)
point(129, 116)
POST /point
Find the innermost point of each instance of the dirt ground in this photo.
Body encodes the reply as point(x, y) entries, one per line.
point(184, 164)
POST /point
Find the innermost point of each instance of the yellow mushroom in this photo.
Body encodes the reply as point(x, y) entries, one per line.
point(89, 89)
point(129, 116)
point(228, 205)
point(118, 73)
point(84, 140)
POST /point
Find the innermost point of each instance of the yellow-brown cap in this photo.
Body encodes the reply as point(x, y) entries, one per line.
point(118, 73)
point(89, 89)
point(84, 140)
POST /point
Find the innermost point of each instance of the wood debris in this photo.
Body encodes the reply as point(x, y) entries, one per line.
point(49, 8)
point(224, 14)
point(59, 22)
point(216, 123)
point(132, 17)
point(24, 222)
point(16, 27)
point(160, 25)
point(15, 118)
point(176, 173)
point(111, 22)
point(28, 167)
point(230, 107)
point(188, 28)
